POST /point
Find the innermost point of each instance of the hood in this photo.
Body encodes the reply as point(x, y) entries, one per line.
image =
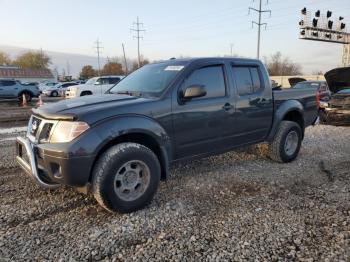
point(294, 80)
point(338, 79)
point(70, 108)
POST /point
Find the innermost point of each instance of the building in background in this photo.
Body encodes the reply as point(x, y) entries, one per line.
point(27, 75)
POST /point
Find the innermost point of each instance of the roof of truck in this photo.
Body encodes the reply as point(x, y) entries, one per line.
point(192, 59)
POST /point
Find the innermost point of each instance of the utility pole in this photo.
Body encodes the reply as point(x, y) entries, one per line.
point(259, 24)
point(126, 64)
point(231, 45)
point(98, 47)
point(138, 37)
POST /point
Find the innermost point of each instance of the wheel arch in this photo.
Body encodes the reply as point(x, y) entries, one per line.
point(291, 110)
point(136, 129)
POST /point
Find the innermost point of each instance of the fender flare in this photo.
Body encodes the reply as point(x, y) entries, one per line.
point(109, 130)
point(285, 108)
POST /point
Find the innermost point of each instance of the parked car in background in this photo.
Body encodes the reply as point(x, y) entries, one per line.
point(94, 86)
point(58, 89)
point(321, 86)
point(80, 82)
point(45, 85)
point(121, 144)
point(14, 89)
point(337, 109)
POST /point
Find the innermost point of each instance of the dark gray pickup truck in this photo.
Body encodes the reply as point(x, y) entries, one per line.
point(120, 145)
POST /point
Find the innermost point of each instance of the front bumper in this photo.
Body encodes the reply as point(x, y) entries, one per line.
point(50, 166)
point(29, 165)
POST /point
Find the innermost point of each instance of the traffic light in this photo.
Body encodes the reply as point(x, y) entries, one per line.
point(342, 26)
point(301, 23)
point(329, 14)
point(303, 11)
point(315, 33)
point(314, 22)
point(302, 32)
point(341, 18)
point(328, 35)
point(330, 24)
point(318, 13)
point(339, 36)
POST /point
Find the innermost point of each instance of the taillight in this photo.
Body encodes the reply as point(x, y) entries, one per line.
point(318, 98)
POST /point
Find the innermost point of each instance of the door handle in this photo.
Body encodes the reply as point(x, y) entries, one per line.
point(227, 106)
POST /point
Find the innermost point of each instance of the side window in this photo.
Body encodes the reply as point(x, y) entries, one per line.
point(7, 83)
point(256, 79)
point(98, 81)
point(243, 80)
point(114, 80)
point(211, 77)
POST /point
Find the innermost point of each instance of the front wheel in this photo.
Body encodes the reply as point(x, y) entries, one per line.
point(126, 177)
point(54, 93)
point(286, 143)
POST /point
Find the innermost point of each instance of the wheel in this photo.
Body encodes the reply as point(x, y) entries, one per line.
point(27, 95)
point(286, 143)
point(126, 177)
point(54, 93)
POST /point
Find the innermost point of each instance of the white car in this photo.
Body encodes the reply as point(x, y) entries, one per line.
point(94, 86)
point(45, 85)
point(58, 89)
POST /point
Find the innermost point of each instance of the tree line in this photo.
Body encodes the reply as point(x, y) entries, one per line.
point(30, 59)
point(276, 64)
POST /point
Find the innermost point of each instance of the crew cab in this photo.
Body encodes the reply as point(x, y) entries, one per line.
point(10, 88)
point(119, 145)
point(94, 86)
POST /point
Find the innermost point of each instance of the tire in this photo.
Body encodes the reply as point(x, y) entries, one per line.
point(278, 148)
point(27, 95)
point(54, 93)
point(114, 170)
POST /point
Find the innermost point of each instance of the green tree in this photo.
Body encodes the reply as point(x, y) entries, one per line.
point(112, 68)
point(33, 60)
point(87, 72)
point(4, 59)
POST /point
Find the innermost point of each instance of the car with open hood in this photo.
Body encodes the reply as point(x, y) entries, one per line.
point(337, 109)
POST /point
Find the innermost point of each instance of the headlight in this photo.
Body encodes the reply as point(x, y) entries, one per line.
point(66, 131)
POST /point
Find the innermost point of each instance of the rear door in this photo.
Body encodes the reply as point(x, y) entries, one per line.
point(254, 105)
point(199, 123)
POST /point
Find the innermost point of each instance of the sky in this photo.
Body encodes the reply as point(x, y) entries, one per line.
point(173, 28)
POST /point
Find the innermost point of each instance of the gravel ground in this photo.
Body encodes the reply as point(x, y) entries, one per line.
point(236, 206)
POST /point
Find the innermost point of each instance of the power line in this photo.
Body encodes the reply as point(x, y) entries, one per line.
point(259, 24)
point(138, 37)
point(98, 47)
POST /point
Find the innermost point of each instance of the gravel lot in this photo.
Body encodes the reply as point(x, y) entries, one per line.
point(236, 206)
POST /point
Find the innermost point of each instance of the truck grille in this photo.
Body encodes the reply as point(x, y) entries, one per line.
point(39, 129)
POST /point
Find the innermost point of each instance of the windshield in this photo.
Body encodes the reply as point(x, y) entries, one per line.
point(150, 79)
point(91, 81)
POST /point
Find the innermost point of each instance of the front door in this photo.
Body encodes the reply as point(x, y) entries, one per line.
point(199, 123)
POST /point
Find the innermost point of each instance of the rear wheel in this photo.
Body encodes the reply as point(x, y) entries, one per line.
point(286, 143)
point(54, 93)
point(126, 177)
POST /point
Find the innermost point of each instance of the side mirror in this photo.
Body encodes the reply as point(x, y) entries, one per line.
point(193, 91)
